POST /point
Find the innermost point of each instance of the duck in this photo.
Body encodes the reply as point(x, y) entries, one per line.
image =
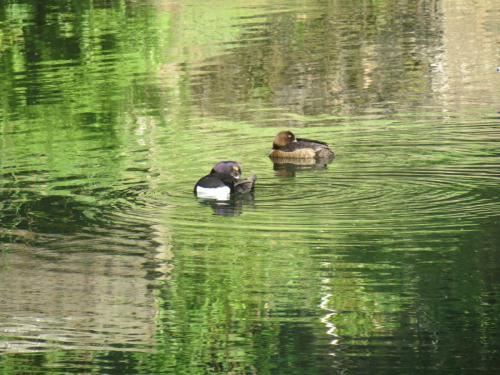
point(287, 146)
point(224, 180)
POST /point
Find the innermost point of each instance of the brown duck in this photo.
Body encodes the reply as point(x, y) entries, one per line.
point(286, 146)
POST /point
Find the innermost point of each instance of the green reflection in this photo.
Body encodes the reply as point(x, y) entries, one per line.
point(383, 262)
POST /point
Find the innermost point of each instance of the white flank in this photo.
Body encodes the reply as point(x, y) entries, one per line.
point(221, 193)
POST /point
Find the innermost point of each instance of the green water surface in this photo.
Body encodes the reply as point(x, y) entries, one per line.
point(387, 261)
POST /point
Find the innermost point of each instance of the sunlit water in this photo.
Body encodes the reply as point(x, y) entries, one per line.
point(385, 261)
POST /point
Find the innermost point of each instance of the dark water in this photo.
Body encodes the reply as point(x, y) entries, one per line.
point(386, 261)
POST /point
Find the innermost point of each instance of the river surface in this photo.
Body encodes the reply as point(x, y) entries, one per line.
point(386, 261)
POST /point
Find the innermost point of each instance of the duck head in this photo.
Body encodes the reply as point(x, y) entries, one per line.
point(283, 139)
point(231, 168)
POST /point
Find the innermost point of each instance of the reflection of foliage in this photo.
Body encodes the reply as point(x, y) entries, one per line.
point(201, 31)
point(32, 363)
point(69, 70)
point(77, 54)
point(224, 318)
point(334, 60)
point(76, 73)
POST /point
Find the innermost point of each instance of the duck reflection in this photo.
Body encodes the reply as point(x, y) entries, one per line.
point(231, 207)
point(288, 167)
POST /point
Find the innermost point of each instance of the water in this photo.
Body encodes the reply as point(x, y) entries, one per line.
point(385, 261)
